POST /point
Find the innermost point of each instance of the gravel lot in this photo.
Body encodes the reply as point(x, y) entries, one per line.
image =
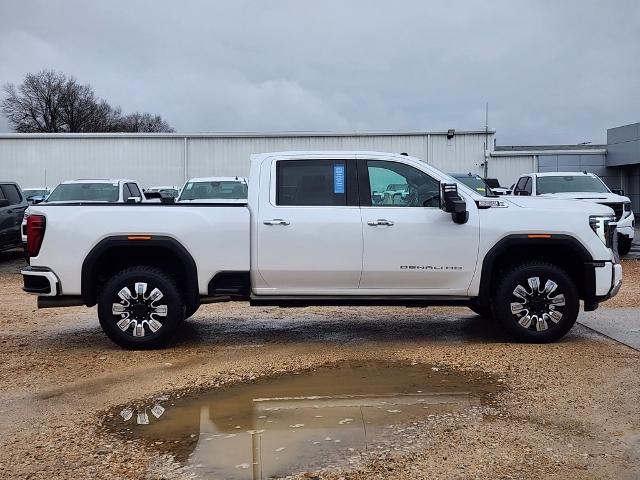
point(569, 409)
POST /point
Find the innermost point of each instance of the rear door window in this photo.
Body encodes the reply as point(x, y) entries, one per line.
point(312, 183)
point(12, 194)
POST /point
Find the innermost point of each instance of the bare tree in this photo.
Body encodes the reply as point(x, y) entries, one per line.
point(36, 105)
point(49, 101)
point(144, 122)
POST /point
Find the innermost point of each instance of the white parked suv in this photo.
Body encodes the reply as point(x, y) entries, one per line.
point(91, 191)
point(582, 186)
point(100, 190)
point(312, 232)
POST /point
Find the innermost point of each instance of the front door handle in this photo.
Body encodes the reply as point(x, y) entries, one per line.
point(276, 221)
point(380, 221)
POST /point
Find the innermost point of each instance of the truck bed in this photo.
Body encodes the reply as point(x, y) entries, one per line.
point(215, 235)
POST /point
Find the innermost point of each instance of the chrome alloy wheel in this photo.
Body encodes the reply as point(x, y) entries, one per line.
point(537, 308)
point(138, 312)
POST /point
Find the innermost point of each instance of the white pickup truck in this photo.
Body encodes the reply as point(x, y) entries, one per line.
point(316, 231)
point(582, 186)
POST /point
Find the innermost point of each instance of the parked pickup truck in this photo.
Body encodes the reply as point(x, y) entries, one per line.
point(582, 186)
point(313, 233)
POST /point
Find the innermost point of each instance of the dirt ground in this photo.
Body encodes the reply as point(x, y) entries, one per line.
point(565, 410)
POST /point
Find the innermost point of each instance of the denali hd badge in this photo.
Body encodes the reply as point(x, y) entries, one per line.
point(428, 267)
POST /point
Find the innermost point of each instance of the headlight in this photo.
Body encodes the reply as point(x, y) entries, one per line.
point(605, 227)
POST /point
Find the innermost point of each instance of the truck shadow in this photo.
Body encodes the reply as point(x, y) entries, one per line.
point(242, 328)
point(463, 326)
point(11, 261)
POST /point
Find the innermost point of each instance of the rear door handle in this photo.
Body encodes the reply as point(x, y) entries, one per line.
point(380, 221)
point(276, 221)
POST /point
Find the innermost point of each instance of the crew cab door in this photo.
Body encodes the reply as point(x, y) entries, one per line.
point(309, 230)
point(410, 245)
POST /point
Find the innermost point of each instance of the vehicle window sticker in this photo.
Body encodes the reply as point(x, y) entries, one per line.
point(338, 179)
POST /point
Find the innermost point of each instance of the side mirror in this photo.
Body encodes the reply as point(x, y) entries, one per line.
point(134, 200)
point(451, 202)
point(4, 202)
point(618, 191)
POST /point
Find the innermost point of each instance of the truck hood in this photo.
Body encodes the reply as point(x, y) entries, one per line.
point(594, 197)
point(555, 204)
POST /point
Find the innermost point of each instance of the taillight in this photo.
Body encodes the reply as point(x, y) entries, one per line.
point(36, 225)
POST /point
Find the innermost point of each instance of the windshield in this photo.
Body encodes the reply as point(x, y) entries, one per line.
point(398, 187)
point(169, 191)
point(571, 183)
point(232, 190)
point(32, 192)
point(476, 184)
point(84, 192)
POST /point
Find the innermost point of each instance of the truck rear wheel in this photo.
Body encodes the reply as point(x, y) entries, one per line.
point(140, 308)
point(536, 302)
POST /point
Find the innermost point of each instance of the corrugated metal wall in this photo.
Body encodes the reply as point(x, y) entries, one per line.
point(169, 159)
point(507, 169)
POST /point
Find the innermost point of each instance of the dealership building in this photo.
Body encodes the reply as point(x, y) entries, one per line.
point(36, 160)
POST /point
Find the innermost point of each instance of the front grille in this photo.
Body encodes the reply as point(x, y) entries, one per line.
point(618, 208)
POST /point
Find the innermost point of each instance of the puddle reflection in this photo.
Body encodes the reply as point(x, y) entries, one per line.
point(299, 422)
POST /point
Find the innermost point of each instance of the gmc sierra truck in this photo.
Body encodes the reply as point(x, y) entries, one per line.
point(321, 228)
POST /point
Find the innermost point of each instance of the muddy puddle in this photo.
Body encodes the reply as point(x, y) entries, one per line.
point(302, 422)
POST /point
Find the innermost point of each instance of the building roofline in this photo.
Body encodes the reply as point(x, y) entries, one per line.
point(515, 148)
point(502, 151)
point(354, 133)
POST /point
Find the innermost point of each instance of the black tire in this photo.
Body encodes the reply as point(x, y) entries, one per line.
point(480, 310)
point(190, 311)
point(537, 304)
point(155, 329)
point(624, 244)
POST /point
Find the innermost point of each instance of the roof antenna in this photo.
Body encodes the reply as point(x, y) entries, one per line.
point(486, 140)
point(405, 154)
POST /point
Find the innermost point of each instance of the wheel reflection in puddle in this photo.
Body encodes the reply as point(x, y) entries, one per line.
point(309, 421)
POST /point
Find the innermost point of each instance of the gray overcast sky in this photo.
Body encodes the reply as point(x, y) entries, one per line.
point(552, 71)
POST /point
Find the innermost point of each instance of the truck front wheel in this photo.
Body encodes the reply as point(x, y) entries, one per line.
point(536, 302)
point(482, 310)
point(140, 307)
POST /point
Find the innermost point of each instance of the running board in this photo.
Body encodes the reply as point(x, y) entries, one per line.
point(357, 300)
point(62, 301)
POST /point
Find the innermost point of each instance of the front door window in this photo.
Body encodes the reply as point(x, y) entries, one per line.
point(395, 184)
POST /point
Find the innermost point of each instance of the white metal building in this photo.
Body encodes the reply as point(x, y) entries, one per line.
point(35, 160)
